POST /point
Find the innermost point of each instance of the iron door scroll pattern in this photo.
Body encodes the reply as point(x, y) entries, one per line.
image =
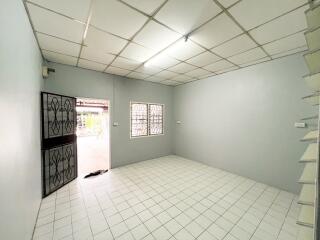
point(59, 141)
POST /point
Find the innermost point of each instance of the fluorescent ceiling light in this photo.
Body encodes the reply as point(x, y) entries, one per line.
point(158, 58)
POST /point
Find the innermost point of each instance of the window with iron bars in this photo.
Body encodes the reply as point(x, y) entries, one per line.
point(146, 119)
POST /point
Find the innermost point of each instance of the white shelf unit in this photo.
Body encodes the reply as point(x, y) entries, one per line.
point(311, 153)
point(305, 233)
point(311, 136)
point(312, 37)
point(313, 81)
point(312, 99)
point(312, 59)
point(309, 195)
point(308, 175)
point(313, 16)
point(307, 216)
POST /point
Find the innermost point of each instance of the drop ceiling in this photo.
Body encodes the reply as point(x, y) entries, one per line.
point(145, 39)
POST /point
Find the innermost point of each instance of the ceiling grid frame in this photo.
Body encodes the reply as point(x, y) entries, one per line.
point(184, 61)
point(241, 27)
point(85, 30)
point(151, 17)
point(130, 40)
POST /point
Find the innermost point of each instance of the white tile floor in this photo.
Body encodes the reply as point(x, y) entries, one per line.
point(168, 198)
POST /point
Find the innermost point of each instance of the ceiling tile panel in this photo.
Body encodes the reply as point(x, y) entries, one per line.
point(54, 24)
point(292, 51)
point(186, 15)
point(156, 36)
point(137, 75)
point(217, 31)
point(251, 13)
point(197, 72)
point(220, 65)
point(237, 45)
point(203, 59)
point(162, 61)
point(125, 63)
point(59, 58)
point(57, 45)
point(290, 23)
point(255, 62)
point(166, 74)
point(183, 50)
point(137, 52)
point(207, 76)
point(148, 70)
point(227, 3)
point(182, 68)
point(183, 78)
point(248, 56)
point(170, 82)
point(104, 41)
point(91, 65)
point(96, 55)
point(227, 70)
point(116, 71)
point(146, 6)
point(286, 44)
point(77, 9)
point(154, 79)
point(117, 18)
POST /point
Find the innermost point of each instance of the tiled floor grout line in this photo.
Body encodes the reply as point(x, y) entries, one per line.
point(201, 214)
point(86, 210)
point(54, 215)
point(230, 207)
point(292, 201)
point(256, 227)
point(82, 201)
point(265, 214)
point(205, 229)
point(162, 225)
point(154, 215)
point(109, 227)
point(185, 186)
point(70, 212)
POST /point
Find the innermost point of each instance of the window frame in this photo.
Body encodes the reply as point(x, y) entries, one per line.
point(148, 122)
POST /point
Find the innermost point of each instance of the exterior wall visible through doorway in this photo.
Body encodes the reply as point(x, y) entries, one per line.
point(92, 135)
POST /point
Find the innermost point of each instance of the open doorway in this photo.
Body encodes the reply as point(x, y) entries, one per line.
point(93, 133)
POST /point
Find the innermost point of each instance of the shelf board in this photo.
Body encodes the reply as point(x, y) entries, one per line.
point(307, 195)
point(313, 81)
point(310, 155)
point(311, 136)
point(305, 233)
point(312, 59)
point(309, 173)
point(313, 16)
point(312, 99)
point(306, 216)
point(315, 117)
point(312, 37)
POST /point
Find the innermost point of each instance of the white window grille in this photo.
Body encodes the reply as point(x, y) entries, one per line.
point(146, 119)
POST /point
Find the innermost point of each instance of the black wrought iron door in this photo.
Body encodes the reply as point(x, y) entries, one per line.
point(59, 141)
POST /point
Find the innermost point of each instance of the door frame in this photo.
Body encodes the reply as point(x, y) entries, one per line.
point(109, 126)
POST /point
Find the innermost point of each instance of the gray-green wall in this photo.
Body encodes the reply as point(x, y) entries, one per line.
point(120, 91)
point(243, 121)
point(20, 86)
